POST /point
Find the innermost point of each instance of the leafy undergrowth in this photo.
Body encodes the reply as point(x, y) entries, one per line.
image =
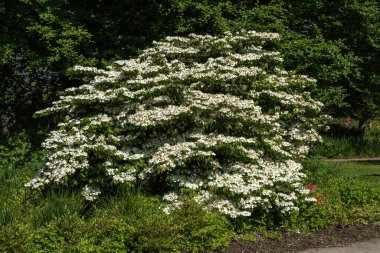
point(136, 226)
point(346, 191)
point(130, 221)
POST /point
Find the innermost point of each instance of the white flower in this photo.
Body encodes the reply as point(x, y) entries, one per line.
point(90, 193)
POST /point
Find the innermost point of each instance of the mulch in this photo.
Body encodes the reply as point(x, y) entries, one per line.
point(296, 242)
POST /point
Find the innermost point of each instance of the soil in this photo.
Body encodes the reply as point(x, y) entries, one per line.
point(295, 242)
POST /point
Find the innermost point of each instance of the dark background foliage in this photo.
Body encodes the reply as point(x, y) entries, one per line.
point(336, 42)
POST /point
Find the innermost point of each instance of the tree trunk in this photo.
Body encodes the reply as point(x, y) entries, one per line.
point(361, 127)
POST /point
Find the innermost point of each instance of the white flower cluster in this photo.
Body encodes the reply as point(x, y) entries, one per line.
point(90, 193)
point(211, 114)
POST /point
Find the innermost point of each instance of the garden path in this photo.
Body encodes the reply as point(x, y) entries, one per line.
point(371, 246)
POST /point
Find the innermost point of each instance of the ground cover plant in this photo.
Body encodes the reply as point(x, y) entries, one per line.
point(345, 192)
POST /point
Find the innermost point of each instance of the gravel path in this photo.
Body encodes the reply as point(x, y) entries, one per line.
point(372, 246)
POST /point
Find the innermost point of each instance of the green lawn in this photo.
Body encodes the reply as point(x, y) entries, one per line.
point(368, 171)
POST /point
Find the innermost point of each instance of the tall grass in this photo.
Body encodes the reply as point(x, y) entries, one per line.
point(18, 162)
point(348, 147)
point(351, 146)
point(9, 210)
point(56, 204)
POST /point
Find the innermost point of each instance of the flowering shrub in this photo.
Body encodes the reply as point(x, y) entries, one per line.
point(216, 117)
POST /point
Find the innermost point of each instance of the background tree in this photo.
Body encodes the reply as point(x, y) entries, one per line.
point(337, 42)
point(352, 29)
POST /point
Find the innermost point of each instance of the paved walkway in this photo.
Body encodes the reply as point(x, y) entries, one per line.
point(372, 246)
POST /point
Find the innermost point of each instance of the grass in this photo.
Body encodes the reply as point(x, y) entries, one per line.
point(55, 205)
point(347, 146)
point(366, 171)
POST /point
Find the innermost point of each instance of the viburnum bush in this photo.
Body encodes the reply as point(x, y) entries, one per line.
point(216, 118)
